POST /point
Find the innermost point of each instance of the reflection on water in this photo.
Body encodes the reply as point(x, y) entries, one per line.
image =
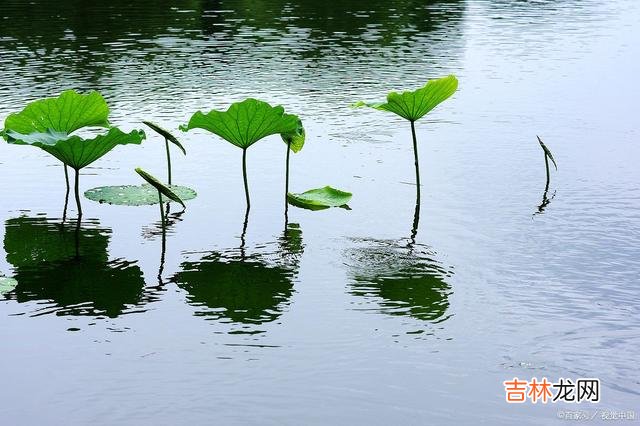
point(399, 279)
point(250, 47)
point(243, 287)
point(66, 268)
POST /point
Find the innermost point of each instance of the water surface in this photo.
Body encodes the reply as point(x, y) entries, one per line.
point(339, 316)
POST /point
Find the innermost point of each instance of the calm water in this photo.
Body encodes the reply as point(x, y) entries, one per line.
point(342, 318)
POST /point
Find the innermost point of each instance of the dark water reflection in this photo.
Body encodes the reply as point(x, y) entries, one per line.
point(401, 280)
point(244, 287)
point(65, 268)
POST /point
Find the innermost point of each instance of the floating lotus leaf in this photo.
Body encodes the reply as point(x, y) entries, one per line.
point(165, 133)
point(65, 114)
point(414, 105)
point(136, 195)
point(320, 198)
point(245, 123)
point(7, 285)
point(295, 138)
point(75, 151)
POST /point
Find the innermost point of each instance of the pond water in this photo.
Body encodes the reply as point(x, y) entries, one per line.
point(341, 317)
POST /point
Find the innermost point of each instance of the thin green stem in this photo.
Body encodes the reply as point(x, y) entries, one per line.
point(415, 154)
point(286, 181)
point(546, 163)
point(244, 175)
point(66, 197)
point(161, 209)
point(77, 190)
point(166, 142)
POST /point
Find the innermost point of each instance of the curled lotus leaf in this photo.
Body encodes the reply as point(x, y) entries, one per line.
point(547, 152)
point(165, 134)
point(160, 187)
point(295, 138)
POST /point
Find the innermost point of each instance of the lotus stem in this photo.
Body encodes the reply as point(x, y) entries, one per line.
point(66, 178)
point(166, 142)
point(161, 209)
point(66, 197)
point(286, 179)
point(416, 221)
point(415, 154)
point(546, 163)
point(243, 236)
point(77, 190)
point(244, 175)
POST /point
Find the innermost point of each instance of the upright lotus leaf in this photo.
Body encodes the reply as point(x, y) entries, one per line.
point(244, 124)
point(75, 151)
point(168, 137)
point(49, 124)
point(66, 113)
point(414, 105)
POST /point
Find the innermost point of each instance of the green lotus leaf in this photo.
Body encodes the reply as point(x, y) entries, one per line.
point(547, 152)
point(160, 187)
point(67, 113)
point(7, 285)
point(136, 195)
point(295, 138)
point(244, 123)
point(414, 105)
point(165, 133)
point(75, 151)
point(320, 198)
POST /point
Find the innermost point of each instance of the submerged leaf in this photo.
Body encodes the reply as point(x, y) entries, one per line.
point(320, 198)
point(75, 151)
point(244, 123)
point(136, 195)
point(295, 138)
point(165, 133)
point(547, 152)
point(162, 188)
point(67, 113)
point(414, 105)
